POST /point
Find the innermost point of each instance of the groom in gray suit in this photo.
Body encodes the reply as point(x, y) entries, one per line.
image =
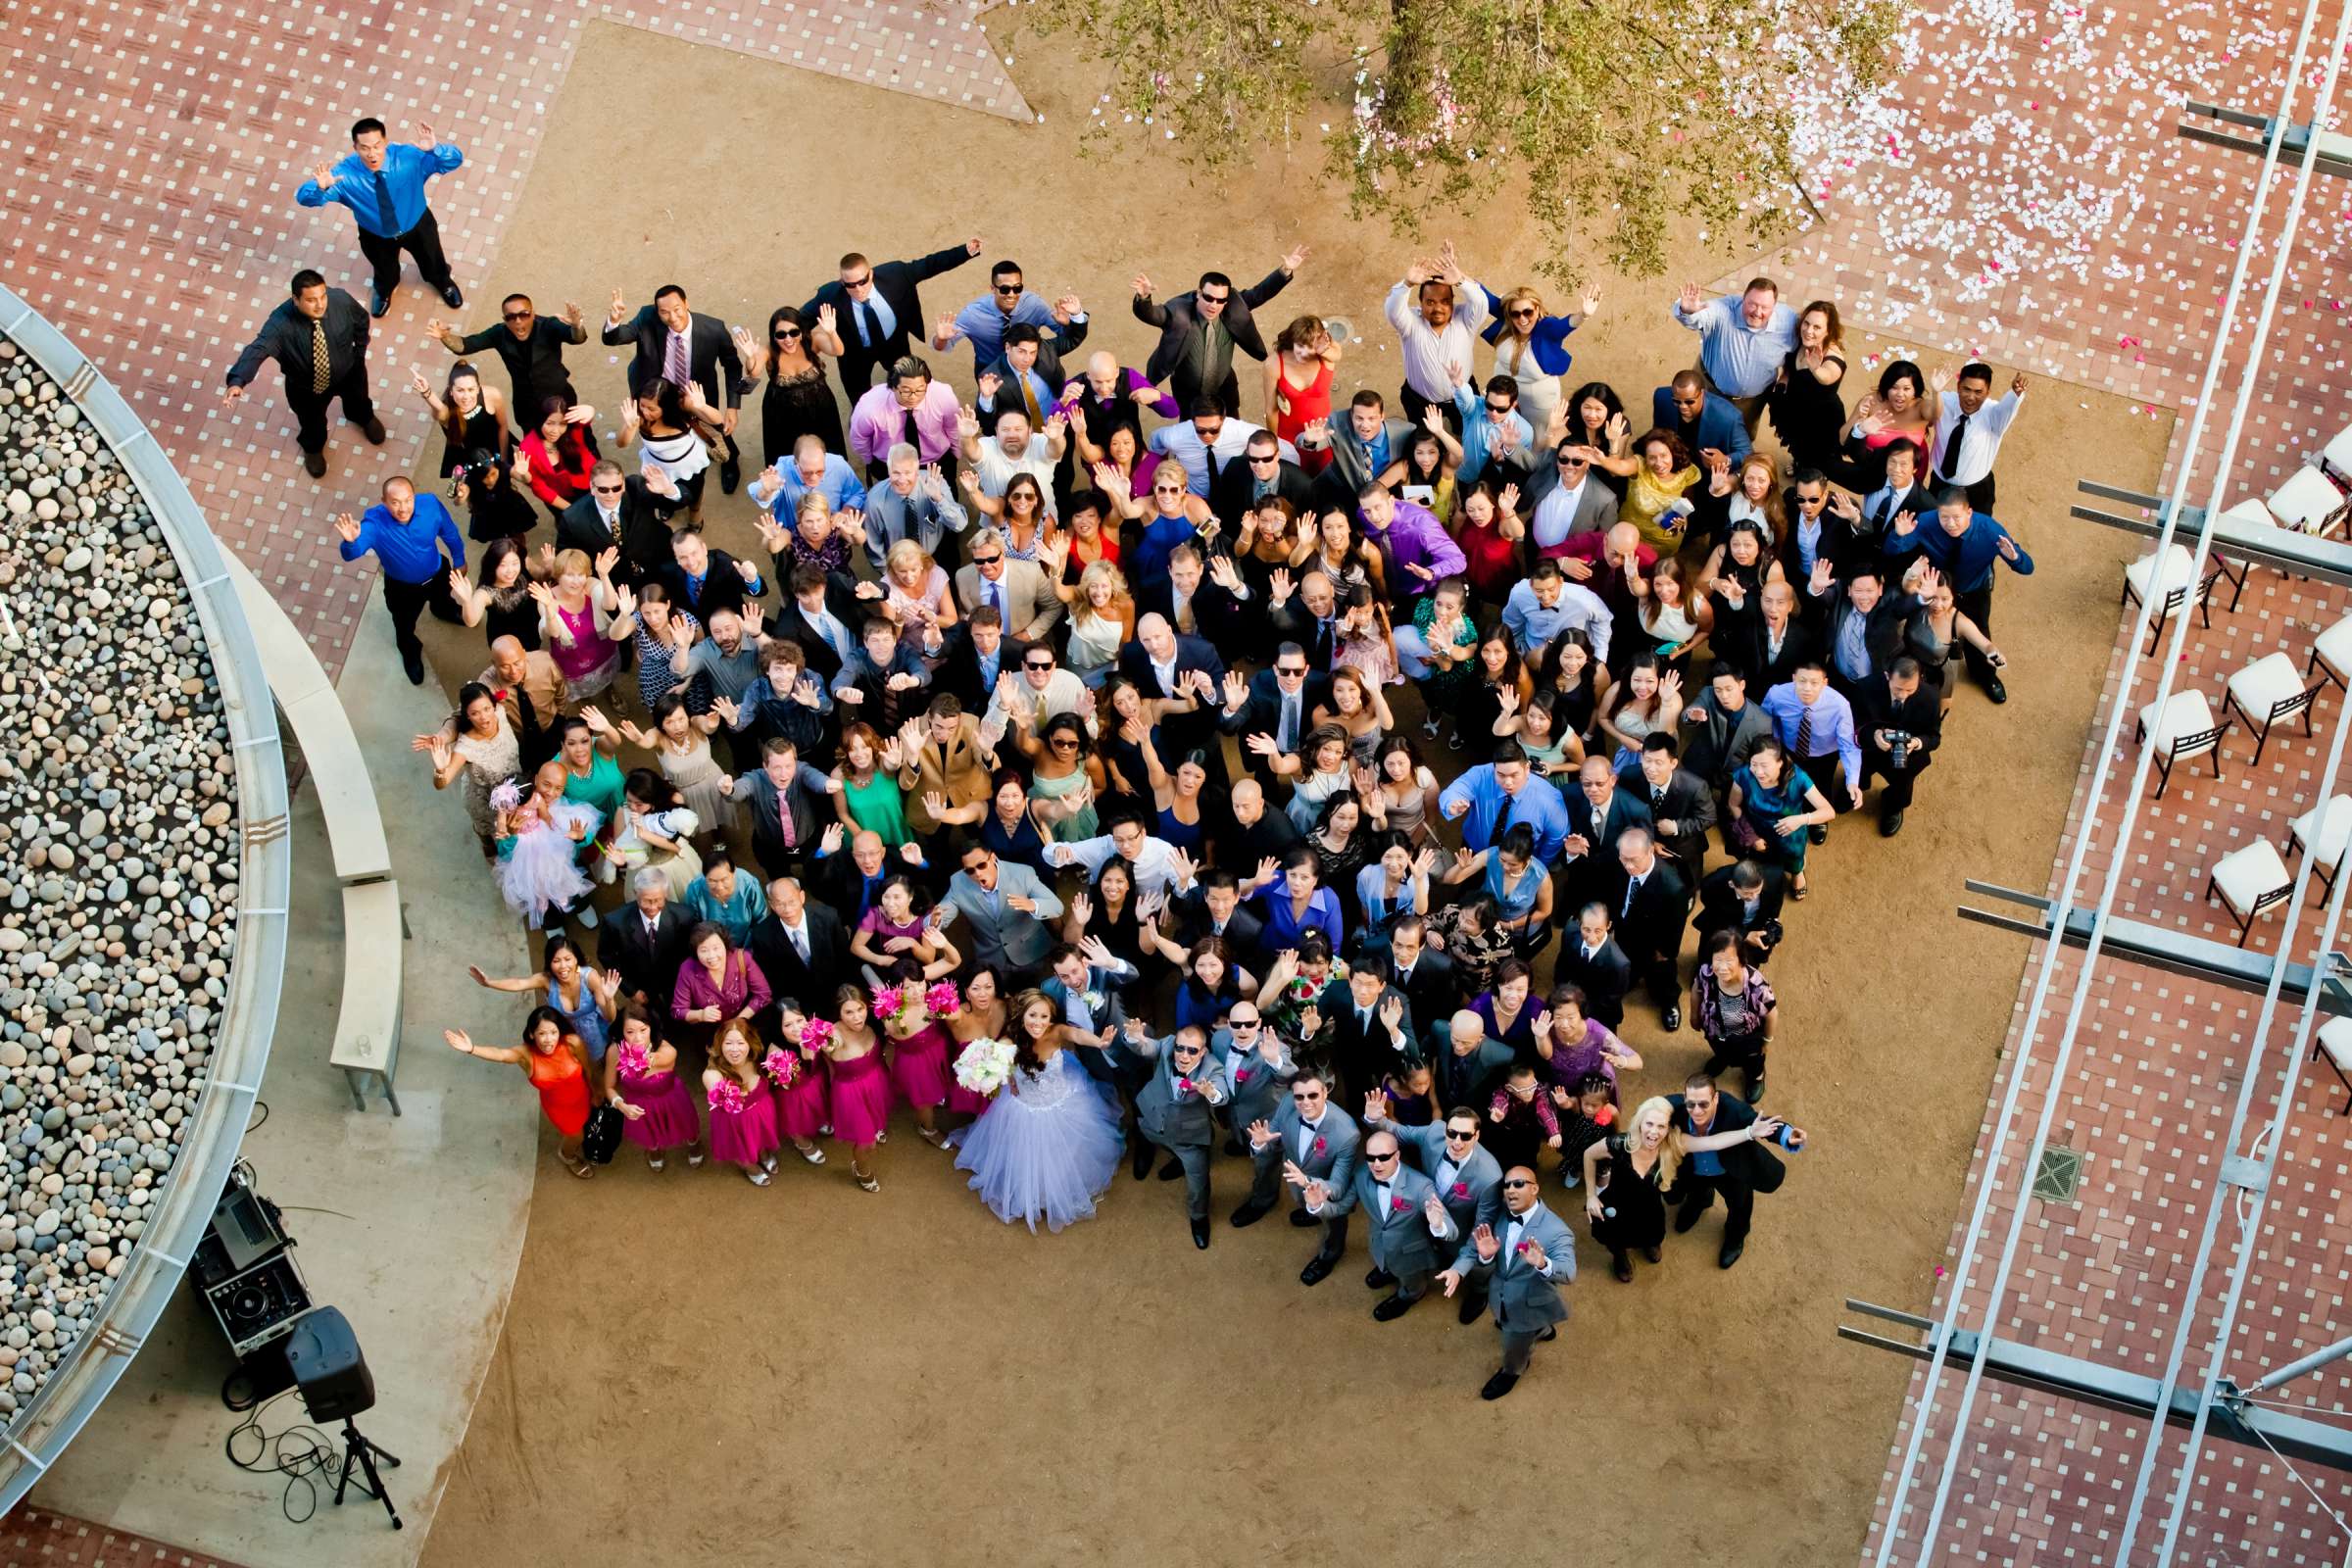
point(1467, 1179)
point(1174, 1108)
point(1404, 1219)
point(1007, 905)
point(1308, 1139)
point(1524, 1264)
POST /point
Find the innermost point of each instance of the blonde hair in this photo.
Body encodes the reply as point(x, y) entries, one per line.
point(1114, 607)
point(1670, 1147)
point(1522, 295)
point(570, 563)
point(811, 501)
point(905, 553)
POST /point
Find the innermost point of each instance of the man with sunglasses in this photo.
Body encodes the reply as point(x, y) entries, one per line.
point(1280, 702)
point(1404, 1221)
point(1241, 488)
point(1199, 330)
point(679, 345)
point(1706, 422)
point(1523, 1261)
point(1175, 1109)
point(1308, 1139)
point(1465, 1177)
point(1492, 429)
point(983, 321)
point(1019, 591)
point(1564, 499)
point(879, 308)
point(530, 345)
point(630, 513)
point(1253, 1062)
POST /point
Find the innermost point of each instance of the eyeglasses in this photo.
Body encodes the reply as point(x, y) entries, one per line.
point(857, 282)
point(1454, 1137)
point(1304, 1099)
point(515, 315)
point(1518, 1184)
point(1523, 313)
point(1568, 460)
point(1009, 290)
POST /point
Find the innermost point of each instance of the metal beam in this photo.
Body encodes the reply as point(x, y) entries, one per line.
point(2293, 141)
point(2265, 544)
point(2228, 1414)
point(2161, 948)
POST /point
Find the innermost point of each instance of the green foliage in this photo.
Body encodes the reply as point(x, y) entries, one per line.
point(1608, 118)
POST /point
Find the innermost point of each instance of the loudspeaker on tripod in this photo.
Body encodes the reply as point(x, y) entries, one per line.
point(323, 1354)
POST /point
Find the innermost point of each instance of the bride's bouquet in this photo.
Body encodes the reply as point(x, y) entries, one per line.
point(983, 1065)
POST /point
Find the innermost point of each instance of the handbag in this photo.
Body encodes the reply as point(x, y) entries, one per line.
point(600, 1140)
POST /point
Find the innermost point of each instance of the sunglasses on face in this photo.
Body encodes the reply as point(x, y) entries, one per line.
point(1215, 299)
point(1039, 665)
point(1381, 1160)
point(986, 561)
point(857, 282)
point(1008, 289)
point(1523, 313)
point(516, 315)
point(1518, 1184)
point(609, 489)
point(1244, 1023)
point(785, 335)
point(1268, 461)
point(1499, 409)
point(1572, 462)
point(1454, 1137)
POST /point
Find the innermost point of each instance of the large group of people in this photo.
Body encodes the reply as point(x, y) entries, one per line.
point(1237, 757)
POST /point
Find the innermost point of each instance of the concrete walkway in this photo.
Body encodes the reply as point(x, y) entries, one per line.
point(413, 1227)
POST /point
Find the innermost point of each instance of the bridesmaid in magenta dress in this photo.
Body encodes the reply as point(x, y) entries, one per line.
point(981, 1016)
point(801, 1108)
point(642, 1082)
point(919, 1055)
point(743, 1113)
point(861, 1092)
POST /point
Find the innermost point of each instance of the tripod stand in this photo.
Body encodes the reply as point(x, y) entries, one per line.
point(357, 1448)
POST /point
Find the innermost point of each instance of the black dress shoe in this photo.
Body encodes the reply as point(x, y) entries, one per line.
point(1995, 690)
point(313, 463)
point(730, 474)
point(1687, 1216)
point(1755, 1090)
point(1171, 1171)
point(1303, 1219)
point(1891, 824)
point(1379, 1279)
point(1472, 1306)
point(450, 297)
point(1317, 1271)
point(1200, 1234)
point(373, 431)
point(1818, 833)
point(1730, 1253)
point(1501, 1384)
point(1392, 1307)
point(1650, 1255)
point(377, 305)
point(1140, 1162)
point(1671, 1018)
point(1249, 1214)
point(414, 662)
point(1233, 1145)
point(1552, 1333)
point(1621, 1267)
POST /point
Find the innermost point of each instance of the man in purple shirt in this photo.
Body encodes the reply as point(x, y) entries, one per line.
point(1110, 395)
point(1419, 554)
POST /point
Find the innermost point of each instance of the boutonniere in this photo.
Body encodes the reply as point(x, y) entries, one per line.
point(1319, 1146)
point(1521, 1247)
point(1461, 1189)
point(1399, 1206)
point(1241, 1075)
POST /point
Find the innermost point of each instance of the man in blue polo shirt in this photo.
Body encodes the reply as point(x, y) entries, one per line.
point(407, 532)
point(383, 185)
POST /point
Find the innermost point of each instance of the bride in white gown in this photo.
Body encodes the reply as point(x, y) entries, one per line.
point(1048, 1144)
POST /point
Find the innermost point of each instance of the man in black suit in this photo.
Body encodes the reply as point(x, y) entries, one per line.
point(1428, 982)
point(1164, 665)
point(1027, 375)
point(1258, 834)
point(1371, 1030)
point(1861, 629)
point(1682, 807)
point(850, 882)
point(1280, 702)
point(1721, 728)
point(1739, 1172)
point(1842, 539)
point(783, 785)
point(1596, 815)
point(1240, 487)
point(802, 946)
point(1213, 908)
point(643, 942)
point(702, 580)
point(629, 513)
point(319, 337)
point(876, 309)
point(976, 655)
point(1592, 962)
point(1898, 705)
point(530, 346)
point(1779, 643)
point(1900, 493)
point(1647, 901)
point(1305, 613)
point(1213, 608)
point(822, 615)
point(1745, 897)
point(1199, 330)
point(680, 345)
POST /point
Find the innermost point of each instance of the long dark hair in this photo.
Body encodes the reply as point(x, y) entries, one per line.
point(453, 422)
point(539, 1016)
point(1602, 390)
point(790, 315)
point(1025, 1053)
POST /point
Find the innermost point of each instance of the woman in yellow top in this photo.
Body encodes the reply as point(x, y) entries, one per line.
point(1657, 471)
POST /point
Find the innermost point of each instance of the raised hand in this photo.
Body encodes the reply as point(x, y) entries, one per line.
point(1433, 1210)
point(1392, 1012)
point(323, 172)
point(988, 386)
point(1311, 1022)
point(1376, 1105)
point(728, 710)
point(1293, 259)
point(1487, 1243)
point(615, 311)
point(1315, 1193)
point(1260, 1133)
point(1588, 302)
point(1691, 299)
point(424, 135)
point(1143, 287)
point(825, 319)
point(347, 527)
point(1449, 1281)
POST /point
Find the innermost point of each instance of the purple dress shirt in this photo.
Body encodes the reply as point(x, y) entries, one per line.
point(1415, 538)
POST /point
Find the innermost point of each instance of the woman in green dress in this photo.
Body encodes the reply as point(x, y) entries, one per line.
point(869, 797)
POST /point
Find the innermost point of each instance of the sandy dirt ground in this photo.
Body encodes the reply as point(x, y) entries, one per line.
point(693, 1369)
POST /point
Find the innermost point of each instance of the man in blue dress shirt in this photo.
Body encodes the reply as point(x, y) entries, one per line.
point(1501, 793)
point(406, 531)
point(383, 185)
point(1965, 545)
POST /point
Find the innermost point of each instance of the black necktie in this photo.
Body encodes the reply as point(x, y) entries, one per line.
point(1951, 448)
point(1632, 886)
point(869, 325)
point(912, 436)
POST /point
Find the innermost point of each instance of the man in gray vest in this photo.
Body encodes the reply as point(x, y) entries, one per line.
point(1174, 1109)
point(1406, 1222)
point(1467, 1179)
point(1308, 1138)
point(1523, 1262)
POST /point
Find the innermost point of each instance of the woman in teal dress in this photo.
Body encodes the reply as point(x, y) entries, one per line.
point(869, 797)
point(1773, 804)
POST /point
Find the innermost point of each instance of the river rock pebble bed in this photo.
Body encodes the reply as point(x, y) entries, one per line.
point(118, 849)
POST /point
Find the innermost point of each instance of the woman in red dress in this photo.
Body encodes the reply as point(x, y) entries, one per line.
point(1298, 385)
point(556, 1063)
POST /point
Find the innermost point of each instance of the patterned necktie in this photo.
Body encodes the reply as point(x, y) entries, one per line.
point(792, 836)
point(320, 378)
point(1029, 401)
point(1804, 735)
point(675, 365)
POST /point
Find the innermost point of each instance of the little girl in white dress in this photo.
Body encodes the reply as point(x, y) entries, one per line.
point(539, 835)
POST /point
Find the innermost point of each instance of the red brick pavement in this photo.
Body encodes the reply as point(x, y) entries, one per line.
point(36, 1536)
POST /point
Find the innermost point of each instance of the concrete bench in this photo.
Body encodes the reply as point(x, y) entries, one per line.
point(367, 1023)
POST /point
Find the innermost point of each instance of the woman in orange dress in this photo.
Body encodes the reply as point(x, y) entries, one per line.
point(556, 1062)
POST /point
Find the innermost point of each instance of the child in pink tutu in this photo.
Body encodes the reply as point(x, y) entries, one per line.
point(918, 1050)
point(801, 1104)
point(980, 1016)
point(743, 1113)
point(642, 1082)
point(861, 1094)
point(539, 835)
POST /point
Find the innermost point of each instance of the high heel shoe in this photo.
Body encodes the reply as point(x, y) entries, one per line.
point(865, 1180)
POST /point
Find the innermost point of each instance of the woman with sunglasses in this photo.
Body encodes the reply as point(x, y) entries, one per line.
point(797, 401)
point(1532, 348)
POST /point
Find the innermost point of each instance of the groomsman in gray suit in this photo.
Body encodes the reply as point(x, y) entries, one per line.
point(1175, 1109)
point(1404, 1219)
point(1007, 905)
point(1467, 1179)
point(1523, 1262)
point(1254, 1064)
point(1308, 1138)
